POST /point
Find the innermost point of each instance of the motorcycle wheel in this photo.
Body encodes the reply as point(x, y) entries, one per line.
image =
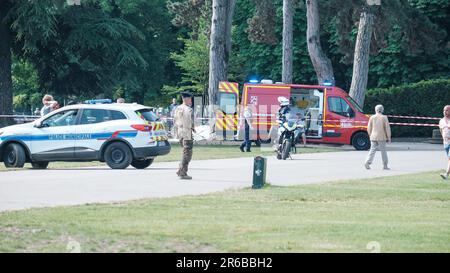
point(286, 149)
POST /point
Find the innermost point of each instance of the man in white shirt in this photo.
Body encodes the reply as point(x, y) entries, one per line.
point(444, 126)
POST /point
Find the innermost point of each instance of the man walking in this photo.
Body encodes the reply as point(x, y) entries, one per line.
point(444, 127)
point(183, 128)
point(379, 132)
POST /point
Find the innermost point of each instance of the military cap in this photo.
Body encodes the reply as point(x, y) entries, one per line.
point(186, 94)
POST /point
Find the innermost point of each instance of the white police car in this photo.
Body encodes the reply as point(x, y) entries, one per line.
point(118, 134)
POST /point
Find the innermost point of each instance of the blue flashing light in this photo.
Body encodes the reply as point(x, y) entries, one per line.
point(99, 101)
point(253, 81)
point(327, 83)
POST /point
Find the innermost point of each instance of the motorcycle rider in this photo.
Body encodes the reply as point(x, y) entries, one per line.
point(283, 116)
point(285, 109)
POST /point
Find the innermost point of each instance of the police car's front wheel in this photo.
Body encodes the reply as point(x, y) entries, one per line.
point(142, 164)
point(14, 156)
point(118, 155)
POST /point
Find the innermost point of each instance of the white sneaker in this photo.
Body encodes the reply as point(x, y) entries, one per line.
point(444, 176)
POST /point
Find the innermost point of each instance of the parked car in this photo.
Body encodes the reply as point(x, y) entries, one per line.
point(118, 134)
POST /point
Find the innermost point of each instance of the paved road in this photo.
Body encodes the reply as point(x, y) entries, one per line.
point(43, 188)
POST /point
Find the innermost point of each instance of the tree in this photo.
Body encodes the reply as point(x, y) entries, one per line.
point(261, 27)
point(361, 61)
point(23, 25)
point(5, 66)
point(94, 49)
point(397, 27)
point(288, 24)
point(322, 64)
point(194, 63)
point(191, 13)
point(220, 46)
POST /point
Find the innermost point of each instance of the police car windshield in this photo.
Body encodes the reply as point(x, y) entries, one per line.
point(148, 115)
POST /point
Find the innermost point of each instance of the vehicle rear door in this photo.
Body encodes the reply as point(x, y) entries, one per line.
point(97, 126)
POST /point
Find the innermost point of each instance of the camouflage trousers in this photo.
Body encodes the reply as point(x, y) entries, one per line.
point(187, 146)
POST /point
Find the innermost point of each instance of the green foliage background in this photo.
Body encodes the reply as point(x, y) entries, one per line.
point(130, 48)
point(425, 98)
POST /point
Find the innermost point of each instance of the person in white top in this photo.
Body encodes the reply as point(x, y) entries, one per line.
point(49, 104)
point(444, 127)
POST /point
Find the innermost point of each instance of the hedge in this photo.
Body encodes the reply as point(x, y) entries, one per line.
point(425, 98)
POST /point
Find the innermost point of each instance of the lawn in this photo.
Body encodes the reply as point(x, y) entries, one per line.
point(201, 152)
point(407, 213)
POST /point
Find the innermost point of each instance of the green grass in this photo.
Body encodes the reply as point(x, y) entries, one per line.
point(409, 213)
point(202, 152)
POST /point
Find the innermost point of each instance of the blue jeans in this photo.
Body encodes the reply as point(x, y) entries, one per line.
point(447, 150)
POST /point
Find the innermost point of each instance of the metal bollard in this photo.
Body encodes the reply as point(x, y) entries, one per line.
point(436, 137)
point(259, 172)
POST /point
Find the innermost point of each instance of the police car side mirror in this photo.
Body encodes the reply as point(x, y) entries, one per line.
point(37, 124)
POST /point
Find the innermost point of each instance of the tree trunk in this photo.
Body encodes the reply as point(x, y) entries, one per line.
point(5, 68)
point(361, 59)
point(322, 64)
point(288, 23)
point(220, 46)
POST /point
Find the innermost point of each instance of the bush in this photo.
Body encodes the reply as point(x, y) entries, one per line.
point(425, 98)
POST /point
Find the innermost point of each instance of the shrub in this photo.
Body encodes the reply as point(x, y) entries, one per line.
point(425, 98)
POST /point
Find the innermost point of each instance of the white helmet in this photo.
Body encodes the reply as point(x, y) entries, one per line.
point(283, 101)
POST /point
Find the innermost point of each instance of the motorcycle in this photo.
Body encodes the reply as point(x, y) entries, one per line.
point(286, 138)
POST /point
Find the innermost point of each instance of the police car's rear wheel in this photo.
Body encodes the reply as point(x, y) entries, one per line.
point(39, 165)
point(14, 156)
point(142, 164)
point(118, 155)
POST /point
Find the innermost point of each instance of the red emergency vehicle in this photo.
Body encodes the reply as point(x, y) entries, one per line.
point(330, 115)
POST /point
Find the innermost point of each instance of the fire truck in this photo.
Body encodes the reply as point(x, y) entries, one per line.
point(330, 115)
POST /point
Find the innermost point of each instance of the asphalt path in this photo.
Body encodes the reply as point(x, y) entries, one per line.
point(55, 187)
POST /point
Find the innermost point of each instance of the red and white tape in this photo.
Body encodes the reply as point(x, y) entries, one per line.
point(413, 117)
point(414, 124)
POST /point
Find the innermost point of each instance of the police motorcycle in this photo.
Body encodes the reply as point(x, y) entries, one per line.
point(286, 131)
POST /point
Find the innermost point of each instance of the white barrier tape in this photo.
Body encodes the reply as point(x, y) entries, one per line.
point(413, 117)
point(414, 124)
point(267, 119)
point(18, 116)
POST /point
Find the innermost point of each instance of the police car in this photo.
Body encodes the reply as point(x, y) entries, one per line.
point(118, 134)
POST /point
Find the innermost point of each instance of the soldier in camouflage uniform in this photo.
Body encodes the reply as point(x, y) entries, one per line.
point(183, 128)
